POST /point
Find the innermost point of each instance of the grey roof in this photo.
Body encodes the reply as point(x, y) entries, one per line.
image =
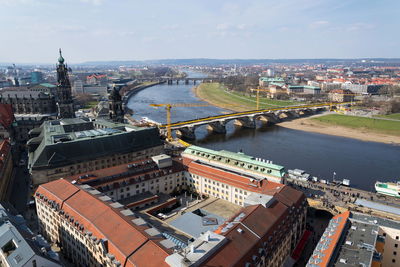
point(192, 224)
point(375, 220)
point(13, 230)
point(71, 141)
point(377, 206)
point(22, 252)
point(358, 245)
point(24, 94)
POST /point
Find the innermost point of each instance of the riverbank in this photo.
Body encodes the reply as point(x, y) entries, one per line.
point(316, 126)
point(137, 89)
point(217, 95)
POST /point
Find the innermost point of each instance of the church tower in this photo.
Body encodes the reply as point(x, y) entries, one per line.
point(115, 106)
point(65, 105)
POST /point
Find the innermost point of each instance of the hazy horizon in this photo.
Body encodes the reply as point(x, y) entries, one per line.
point(105, 30)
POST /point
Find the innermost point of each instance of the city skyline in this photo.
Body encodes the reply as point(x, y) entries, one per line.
point(91, 30)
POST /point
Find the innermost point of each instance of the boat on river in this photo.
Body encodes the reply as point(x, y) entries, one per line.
point(298, 175)
point(389, 188)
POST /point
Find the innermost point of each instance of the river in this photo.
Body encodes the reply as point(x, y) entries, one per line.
point(320, 155)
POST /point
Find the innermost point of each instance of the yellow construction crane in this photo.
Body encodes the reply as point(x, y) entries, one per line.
point(258, 90)
point(168, 109)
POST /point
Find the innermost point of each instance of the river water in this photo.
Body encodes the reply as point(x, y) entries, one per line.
point(320, 155)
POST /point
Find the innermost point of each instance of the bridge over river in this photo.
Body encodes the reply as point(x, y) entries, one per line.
point(184, 80)
point(246, 119)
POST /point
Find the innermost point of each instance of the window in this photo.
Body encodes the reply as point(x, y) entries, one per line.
point(397, 237)
point(394, 253)
point(396, 245)
point(9, 248)
point(393, 260)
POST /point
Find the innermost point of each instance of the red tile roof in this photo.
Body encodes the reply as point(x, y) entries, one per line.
point(150, 171)
point(6, 115)
point(341, 220)
point(124, 238)
point(236, 180)
point(5, 148)
point(247, 235)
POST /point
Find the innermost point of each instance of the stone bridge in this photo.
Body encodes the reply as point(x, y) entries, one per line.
point(171, 81)
point(246, 119)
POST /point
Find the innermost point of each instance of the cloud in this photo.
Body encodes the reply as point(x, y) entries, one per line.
point(359, 26)
point(230, 27)
point(171, 27)
point(93, 2)
point(18, 2)
point(319, 24)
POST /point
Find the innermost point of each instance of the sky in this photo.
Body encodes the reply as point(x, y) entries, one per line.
point(98, 30)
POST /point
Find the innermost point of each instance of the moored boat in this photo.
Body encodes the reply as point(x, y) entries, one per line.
point(388, 188)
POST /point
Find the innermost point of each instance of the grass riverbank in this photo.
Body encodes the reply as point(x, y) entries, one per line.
point(394, 116)
point(366, 129)
point(362, 123)
point(319, 124)
point(217, 95)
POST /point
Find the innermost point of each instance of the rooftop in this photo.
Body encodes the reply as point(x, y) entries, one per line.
point(361, 217)
point(68, 141)
point(128, 173)
point(24, 94)
point(358, 246)
point(18, 243)
point(274, 79)
point(329, 243)
point(104, 220)
point(197, 222)
point(6, 115)
point(378, 206)
point(236, 160)
point(234, 178)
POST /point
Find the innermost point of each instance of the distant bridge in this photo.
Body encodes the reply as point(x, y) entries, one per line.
point(178, 80)
point(245, 119)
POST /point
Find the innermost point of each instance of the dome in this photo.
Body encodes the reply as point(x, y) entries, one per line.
point(61, 59)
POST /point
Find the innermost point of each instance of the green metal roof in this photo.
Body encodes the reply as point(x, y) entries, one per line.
point(239, 160)
point(304, 86)
point(48, 85)
point(274, 79)
point(277, 84)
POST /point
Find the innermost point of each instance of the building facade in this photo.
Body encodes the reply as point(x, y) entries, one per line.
point(29, 102)
point(340, 95)
point(62, 148)
point(6, 169)
point(135, 179)
point(92, 230)
point(79, 214)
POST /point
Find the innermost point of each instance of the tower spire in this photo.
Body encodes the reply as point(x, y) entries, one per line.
point(60, 59)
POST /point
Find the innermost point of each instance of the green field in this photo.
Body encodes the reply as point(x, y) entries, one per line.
point(217, 94)
point(395, 116)
point(91, 104)
point(362, 123)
